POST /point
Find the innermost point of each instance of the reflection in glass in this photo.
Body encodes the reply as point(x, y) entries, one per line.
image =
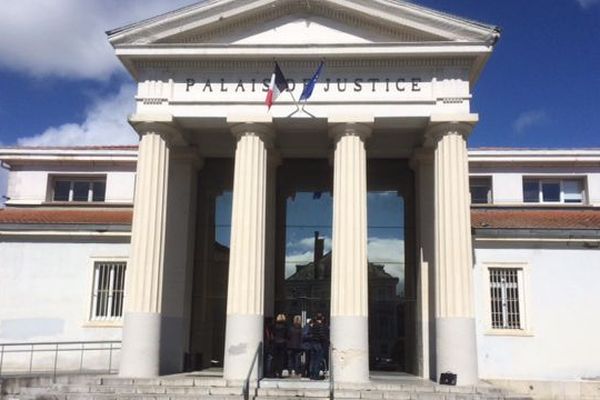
point(308, 254)
point(386, 280)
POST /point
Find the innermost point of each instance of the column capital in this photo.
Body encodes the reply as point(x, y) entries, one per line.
point(363, 131)
point(442, 125)
point(160, 124)
point(263, 131)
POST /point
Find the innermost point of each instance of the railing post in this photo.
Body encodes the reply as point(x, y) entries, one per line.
point(31, 359)
point(81, 359)
point(330, 366)
point(110, 358)
point(55, 363)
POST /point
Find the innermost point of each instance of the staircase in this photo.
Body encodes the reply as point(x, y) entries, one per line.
point(189, 386)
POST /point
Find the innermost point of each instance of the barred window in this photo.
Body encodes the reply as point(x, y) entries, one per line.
point(109, 287)
point(504, 295)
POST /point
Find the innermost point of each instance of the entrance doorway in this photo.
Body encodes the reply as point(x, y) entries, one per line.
point(392, 299)
point(303, 264)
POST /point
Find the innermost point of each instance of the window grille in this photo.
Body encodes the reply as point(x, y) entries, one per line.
point(109, 290)
point(504, 287)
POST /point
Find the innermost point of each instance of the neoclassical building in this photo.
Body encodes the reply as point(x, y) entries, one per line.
point(397, 86)
point(361, 202)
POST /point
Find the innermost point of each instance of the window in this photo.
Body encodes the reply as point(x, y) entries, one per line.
point(108, 291)
point(481, 190)
point(559, 191)
point(504, 296)
point(79, 189)
point(506, 299)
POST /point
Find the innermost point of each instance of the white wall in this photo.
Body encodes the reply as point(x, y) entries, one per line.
point(29, 185)
point(45, 296)
point(45, 290)
point(562, 307)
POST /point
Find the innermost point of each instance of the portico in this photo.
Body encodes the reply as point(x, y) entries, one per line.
point(396, 88)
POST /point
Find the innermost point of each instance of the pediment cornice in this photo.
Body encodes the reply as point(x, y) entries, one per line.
point(206, 22)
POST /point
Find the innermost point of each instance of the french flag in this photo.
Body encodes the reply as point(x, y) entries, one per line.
point(278, 85)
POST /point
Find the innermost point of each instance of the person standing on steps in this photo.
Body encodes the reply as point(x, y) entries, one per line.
point(320, 340)
point(279, 345)
point(294, 346)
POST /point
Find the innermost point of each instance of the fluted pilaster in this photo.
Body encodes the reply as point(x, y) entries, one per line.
point(245, 295)
point(349, 274)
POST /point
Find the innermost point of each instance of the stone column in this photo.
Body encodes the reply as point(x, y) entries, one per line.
point(456, 349)
point(349, 275)
point(245, 294)
point(140, 355)
point(422, 164)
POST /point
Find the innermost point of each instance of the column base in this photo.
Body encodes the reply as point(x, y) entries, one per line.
point(350, 341)
point(243, 333)
point(456, 349)
point(140, 351)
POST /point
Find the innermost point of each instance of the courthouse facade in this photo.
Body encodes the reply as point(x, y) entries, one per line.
point(398, 79)
point(383, 138)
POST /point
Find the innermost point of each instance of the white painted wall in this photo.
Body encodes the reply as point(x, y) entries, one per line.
point(507, 180)
point(29, 184)
point(46, 290)
point(562, 308)
point(45, 294)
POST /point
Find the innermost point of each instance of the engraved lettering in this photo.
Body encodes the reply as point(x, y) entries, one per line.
point(415, 84)
point(239, 86)
point(399, 85)
point(358, 85)
point(208, 86)
point(374, 82)
point(189, 83)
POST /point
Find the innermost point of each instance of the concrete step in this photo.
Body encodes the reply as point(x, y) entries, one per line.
point(308, 393)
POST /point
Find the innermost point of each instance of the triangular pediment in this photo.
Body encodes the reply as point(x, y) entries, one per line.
point(289, 22)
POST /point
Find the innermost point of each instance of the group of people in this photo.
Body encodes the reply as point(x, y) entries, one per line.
point(302, 350)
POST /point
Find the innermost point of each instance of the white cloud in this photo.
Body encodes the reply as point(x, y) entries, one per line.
point(587, 3)
point(67, 38)
point(529, 119)
point(105, 124)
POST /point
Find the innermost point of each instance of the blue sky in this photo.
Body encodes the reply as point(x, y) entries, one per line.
point(61, 85)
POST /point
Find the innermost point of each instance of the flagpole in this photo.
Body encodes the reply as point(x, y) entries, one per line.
point(295, 102)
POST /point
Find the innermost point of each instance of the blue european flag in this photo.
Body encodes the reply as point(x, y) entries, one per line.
point(310, 86)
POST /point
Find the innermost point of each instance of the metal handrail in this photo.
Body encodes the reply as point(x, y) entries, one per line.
point(331, 381)
point(55, 347)
point(256, 360)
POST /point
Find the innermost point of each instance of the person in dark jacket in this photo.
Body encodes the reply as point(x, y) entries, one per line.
point(320, 340)
point(279, 345)
point(307, 346)
point(294, 346)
